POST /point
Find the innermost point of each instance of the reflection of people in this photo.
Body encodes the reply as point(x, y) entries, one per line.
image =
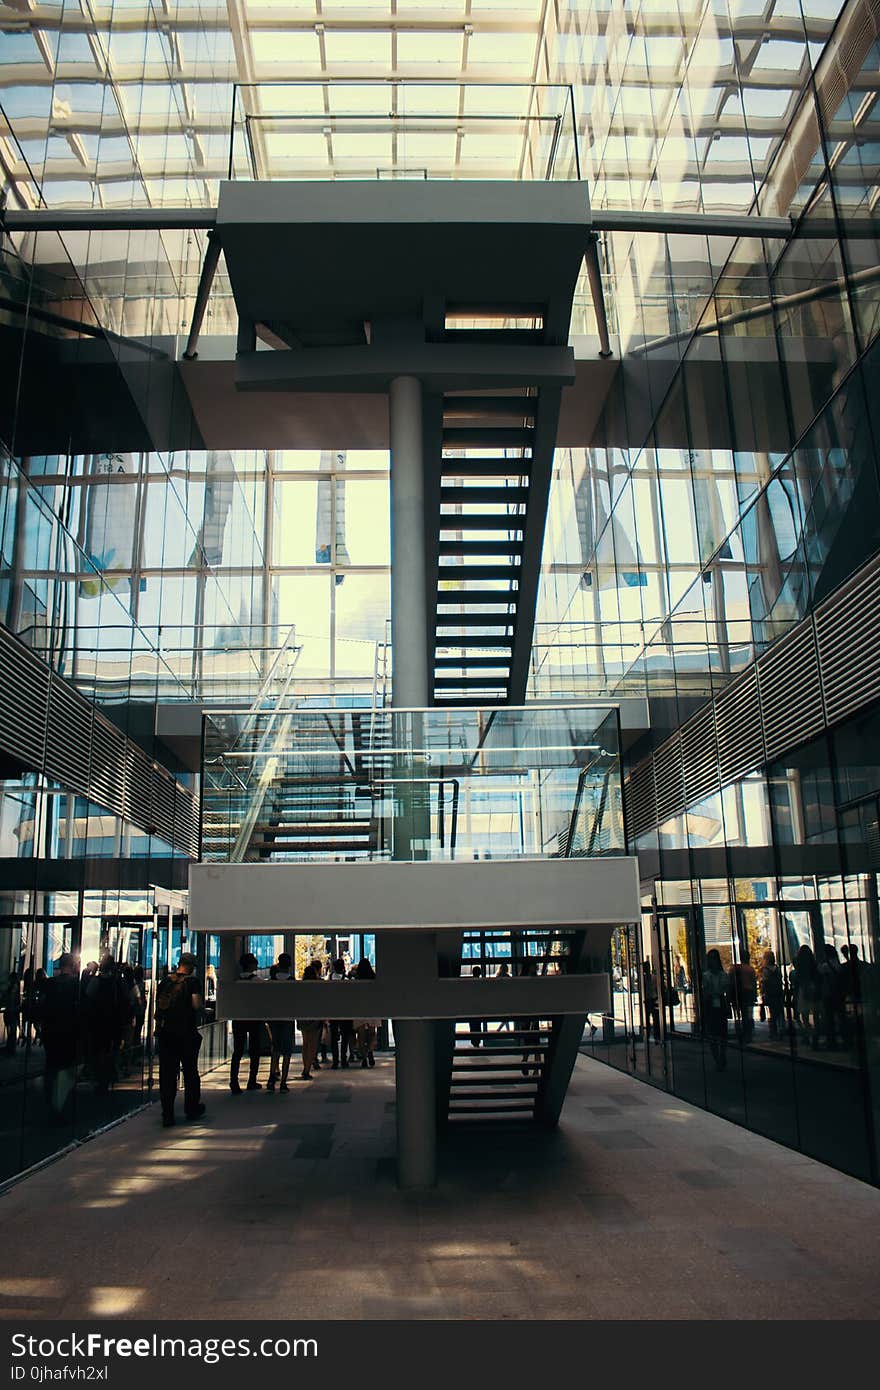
point(831, 987)
point(12, 1009)
point(478, 1025)
point(59, 1019)
point(804, 988)
point(178, 1011)
point(772, 993)
point(652, 1008)
point(715, 1007)
point(743, 994)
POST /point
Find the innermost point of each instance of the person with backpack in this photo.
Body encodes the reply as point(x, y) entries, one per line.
point(178, 1011)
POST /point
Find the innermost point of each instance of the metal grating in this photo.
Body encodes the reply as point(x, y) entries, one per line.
point(107, 780)
point(791, 691)
point(699, 755)
point(641, 802)
point(738, 728)
point(24, 694)
point(186, 823)
point(68, 737)
point(139, 778)
point(848, 639)
point(669, 779)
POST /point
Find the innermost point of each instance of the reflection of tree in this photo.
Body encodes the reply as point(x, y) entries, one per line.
point(308, 948)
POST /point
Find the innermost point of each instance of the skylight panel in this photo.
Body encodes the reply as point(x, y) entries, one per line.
point(276, 47)
point(426, 50)
point(502, 50)
point(20, 48)
point(358, 46)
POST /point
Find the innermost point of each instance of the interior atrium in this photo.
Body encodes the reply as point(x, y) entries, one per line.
point(440, 439)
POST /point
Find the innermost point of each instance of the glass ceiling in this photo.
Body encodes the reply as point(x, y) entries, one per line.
point(131, 104)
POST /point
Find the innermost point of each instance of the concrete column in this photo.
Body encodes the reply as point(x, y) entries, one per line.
point(409, 616)
point(416, 1112)
point(414, 1038)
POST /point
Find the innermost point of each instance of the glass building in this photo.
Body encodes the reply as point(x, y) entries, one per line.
point(710, 562)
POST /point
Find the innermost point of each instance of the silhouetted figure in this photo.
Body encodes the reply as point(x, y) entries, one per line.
point(805, 991)
point(12, 1010)
point(106, 1013)
point(178, 1013)
point(366, 1030)
point(341, 1029)
point(529, 1027)
point(716, 1008)
point(832, 998)
point(477, 1025)
point(652, 1000)
point(744, 995)
point(59, 1022)
point(246, 1034)
point(282, 1032)
point(503, 973)
point(772, 989)
point(310, 1028)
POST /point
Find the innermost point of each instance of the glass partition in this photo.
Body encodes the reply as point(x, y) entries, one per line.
point(288, 784)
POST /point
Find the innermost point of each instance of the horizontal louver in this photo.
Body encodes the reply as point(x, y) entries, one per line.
point(699, 754)
point(107, 780)
point(24, 694)
point(791, 692)
point(641, 804)
point(848, 638)
point(669, 779)
point(738, 728)
point(68, 738)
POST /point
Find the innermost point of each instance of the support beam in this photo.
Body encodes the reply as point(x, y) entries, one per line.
point(203, 294)
point(408, 593)
point(594, 272)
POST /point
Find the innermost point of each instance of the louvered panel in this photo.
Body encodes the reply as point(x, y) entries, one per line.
point(699, 756)
point(738, 728)
point(24, 698)
point(107, 780)
point(186, 823)
point(848, 638)
point(669, 779)
point(68, 737)
point(641, 803)
point(163, 806)
point(138, 787)
point(790, 691)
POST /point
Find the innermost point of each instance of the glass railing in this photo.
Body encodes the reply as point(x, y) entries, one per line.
point(297, 784)
point(390, 128)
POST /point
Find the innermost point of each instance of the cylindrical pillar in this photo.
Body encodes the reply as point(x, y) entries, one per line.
point(416, 1112)
point(409, 606)
point(413, 1038)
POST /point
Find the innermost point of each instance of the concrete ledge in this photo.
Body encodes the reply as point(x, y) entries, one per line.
point(498, 893)
point(415, 998)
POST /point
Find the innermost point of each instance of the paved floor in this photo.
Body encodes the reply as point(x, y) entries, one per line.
point(285, 1206)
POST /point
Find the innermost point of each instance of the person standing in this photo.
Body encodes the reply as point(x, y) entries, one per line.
point(772, 994)
point(478, 1025)
point(246, 1034)
point(310, 1028)
point(341, 1029)
point(743, 995)
point(178, 1013)
point(282, 1032)
point(716, 1007)
point(59, 1020)
point(12, 1010)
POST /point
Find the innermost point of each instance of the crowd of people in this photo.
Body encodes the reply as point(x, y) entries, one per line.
point(89, 1023)
point(338, 1043)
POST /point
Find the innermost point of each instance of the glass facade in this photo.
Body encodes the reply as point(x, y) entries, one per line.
point(721, 483)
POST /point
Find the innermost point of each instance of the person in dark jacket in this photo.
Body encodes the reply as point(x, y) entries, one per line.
point(246, 1033)
point(59, 1023)
point(178, 1013)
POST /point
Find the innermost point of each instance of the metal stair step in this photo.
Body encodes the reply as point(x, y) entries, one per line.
point(487, 436)
point(498, 467)
point(455, 495)
point(446, 663)
point(472, 547)
point(474, 1081)
point(505, 1107)
point(480, 407)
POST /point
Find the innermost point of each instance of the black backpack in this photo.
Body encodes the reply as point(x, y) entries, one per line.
point(174, 1010)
